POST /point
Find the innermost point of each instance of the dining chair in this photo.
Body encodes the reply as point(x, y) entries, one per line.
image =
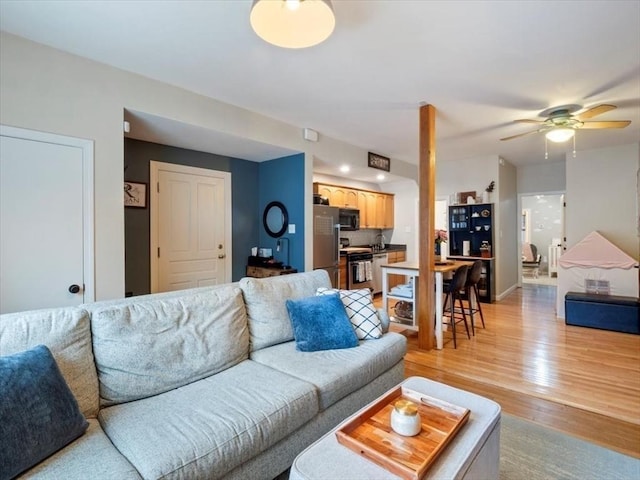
point(471, 288)
point(454, 291)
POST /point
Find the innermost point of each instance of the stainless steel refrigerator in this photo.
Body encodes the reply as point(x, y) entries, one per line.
point(326, 248)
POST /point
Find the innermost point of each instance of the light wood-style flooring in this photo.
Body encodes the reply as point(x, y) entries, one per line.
point(581, 381)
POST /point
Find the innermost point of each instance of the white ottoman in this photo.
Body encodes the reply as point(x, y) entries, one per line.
point(474, 453)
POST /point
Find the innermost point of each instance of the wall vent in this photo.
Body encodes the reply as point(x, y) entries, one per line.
point(599, 287)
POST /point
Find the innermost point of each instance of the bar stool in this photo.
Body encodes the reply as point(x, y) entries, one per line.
point(471, 287)
point(453, 292)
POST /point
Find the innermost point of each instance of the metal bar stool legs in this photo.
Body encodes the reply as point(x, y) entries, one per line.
point(478, 306)
point(453, 293)
point(471, 286)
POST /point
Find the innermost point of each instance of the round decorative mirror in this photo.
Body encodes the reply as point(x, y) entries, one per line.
point(275, 219)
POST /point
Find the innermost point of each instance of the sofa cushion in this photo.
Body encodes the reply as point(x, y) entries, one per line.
point(67, 334)
point(321, 323)
point(266, 308)
point(360, 310)
point(336, 373)
point(207, 428)
point(38, 414)
point(90, 456)
point(151, 347)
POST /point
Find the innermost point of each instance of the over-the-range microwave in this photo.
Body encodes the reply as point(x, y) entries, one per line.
point(349, 219)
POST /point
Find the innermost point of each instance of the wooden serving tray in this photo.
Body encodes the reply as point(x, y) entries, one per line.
point(370, 434)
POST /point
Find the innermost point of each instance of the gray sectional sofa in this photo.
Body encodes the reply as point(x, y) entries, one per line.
point(202, 383)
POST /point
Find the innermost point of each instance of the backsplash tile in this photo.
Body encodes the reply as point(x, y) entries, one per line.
point(366, 236)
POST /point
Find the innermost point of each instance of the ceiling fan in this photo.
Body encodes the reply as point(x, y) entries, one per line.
point(561, 124)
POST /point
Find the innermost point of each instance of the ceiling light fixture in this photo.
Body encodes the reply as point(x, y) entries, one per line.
point(559, 135)
point(293, 23)
point(345, 168)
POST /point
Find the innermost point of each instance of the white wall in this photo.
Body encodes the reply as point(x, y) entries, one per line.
point(543, 177)
point(506, 236)
point(49, 90)
point(405, 215)
point(602, 195)
point(467, 174)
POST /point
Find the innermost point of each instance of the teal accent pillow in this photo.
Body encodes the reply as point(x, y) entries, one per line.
point(321, 323)
point(38, 413)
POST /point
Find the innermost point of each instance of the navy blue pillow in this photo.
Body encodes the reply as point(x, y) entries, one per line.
point(38, 413)
point(321, 323)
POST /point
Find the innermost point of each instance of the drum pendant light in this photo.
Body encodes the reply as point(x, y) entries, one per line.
point(293, 23)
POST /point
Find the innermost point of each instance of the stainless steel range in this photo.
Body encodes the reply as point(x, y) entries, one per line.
point(359, 267)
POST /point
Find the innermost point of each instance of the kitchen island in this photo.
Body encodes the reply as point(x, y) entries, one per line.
point(412, 271)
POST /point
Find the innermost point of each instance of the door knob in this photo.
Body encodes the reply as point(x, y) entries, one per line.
point(222, 255)
point(74, 288)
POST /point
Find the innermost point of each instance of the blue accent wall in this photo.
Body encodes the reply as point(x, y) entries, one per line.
point(246, 225)
point(282, 180)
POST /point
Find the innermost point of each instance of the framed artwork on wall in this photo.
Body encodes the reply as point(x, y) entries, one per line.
point(135, 194)
point(379, 162)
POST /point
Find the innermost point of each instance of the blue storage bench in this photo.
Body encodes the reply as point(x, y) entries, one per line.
point(607, 312)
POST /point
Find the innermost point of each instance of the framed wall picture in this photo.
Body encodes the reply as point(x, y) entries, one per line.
point(135, 194)
point(465, 195)
point(379, 162)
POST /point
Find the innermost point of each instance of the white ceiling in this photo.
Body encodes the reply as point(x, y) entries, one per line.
point(482, 64)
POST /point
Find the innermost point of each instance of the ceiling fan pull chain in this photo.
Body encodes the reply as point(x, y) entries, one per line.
point(574, 146)
point(546, 150)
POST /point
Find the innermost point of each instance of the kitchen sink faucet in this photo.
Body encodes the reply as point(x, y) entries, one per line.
point(383, 241)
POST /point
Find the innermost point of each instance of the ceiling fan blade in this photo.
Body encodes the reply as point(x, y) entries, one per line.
point(519, 135)
point(597, 110)
point(611, 124)
point(526, 120)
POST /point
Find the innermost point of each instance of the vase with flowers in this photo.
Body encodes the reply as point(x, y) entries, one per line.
point(440, 238)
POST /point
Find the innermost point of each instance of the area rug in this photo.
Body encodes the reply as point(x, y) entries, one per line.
point(532, 452)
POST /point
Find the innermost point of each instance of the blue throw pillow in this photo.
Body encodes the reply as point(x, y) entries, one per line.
point(321, 323)
point(38, 413)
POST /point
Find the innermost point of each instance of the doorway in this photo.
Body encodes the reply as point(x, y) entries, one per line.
point(190, 227)
point(541, 233)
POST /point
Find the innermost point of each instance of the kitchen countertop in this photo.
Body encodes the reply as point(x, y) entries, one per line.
point(393, 248)
point(390, 248)
point(469, 257)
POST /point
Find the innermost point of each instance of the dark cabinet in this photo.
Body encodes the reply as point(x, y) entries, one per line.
point(473, 224)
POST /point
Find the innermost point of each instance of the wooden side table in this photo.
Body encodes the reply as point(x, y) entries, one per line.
point(264, 272)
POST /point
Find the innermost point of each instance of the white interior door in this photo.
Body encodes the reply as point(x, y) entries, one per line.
point(191, 225)
point(43, 218)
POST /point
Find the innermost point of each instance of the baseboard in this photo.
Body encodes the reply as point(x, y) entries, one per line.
point(506, 293)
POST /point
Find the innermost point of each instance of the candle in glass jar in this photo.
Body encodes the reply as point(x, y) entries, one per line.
point(405, 419)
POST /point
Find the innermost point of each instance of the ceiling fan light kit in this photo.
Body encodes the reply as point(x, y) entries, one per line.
point(561, 124)
point(293, 23)
point(560, 134)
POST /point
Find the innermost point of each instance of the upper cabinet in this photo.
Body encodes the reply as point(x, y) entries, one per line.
point(376, 208)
